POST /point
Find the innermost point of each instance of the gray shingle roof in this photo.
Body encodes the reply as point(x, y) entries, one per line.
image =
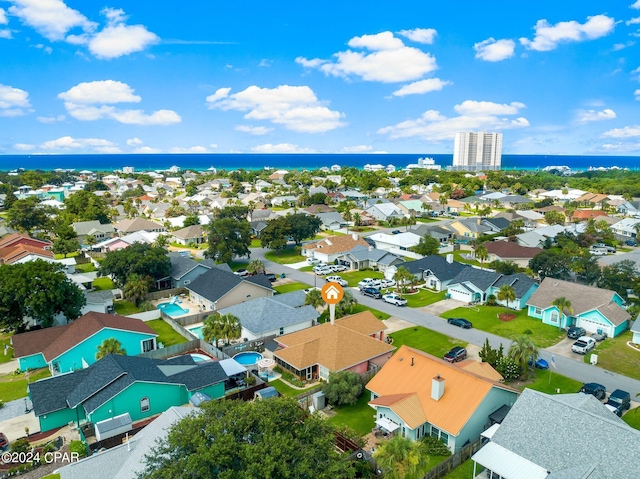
point(561, 431)
point(86, 227)
point(103, 380)
point(362, 253)
point(215, 283)
point(181, 265)
point(482, 279)
point(438, 265)
point(521, 283)
point(264, 314)
point(295, 299)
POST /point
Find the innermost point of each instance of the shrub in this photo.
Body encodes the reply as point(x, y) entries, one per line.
point(21, 445)
point(435, 447)
point(508, 368)
point(78, 447)
point(250, 381)
point(491, 300)
point(344, 387)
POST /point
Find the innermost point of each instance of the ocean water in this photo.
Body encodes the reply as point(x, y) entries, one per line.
point(289, 161)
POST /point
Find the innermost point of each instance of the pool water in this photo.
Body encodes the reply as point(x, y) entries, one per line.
point(197, 331)
point(172, 309)
point(248, 358)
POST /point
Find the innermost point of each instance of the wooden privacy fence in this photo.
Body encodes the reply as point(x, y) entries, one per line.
point(453, 461)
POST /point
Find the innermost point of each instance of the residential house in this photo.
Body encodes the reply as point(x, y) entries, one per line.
point(121, 242)
point(510, 251)
point(469, 228)
point(362, 257)
point(100, 232)
point(127, 460)
point(474, 285)
point(441, 233)
point(184, 269)
point(332, 221)
point(276, 315)
point(625, 228)
point(385, 212)
point(74, 345)
point(563, 194)
point(354, 343)
point(531, 442)
point(15, 239)
point(97, 301)
point(328, 249)
point(217, 289)
point(583, 215)
point(117, 385)
point(635, 329)
point(593, 200)
point(412, 207)
point(23, 253)
point(395, 243)
point(417, 395)
point(530, 218)
point(138, 224)
point(434, 270)
point(191, 235)
point(496, 224)
point(630, 208)
point(594, 309)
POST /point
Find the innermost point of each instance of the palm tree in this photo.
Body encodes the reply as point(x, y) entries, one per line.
point(506, 293)
point(481, 254)
point(402, 276)
point(521, 350)
point(90, 240)
point(212, 328)
point(110, 346)
point(402, 458)
point(255, 266)
point(136, 288)
point(347, 217)
point(314, 298)
point(443, 200)
point(231, 328)
point(346, 305)
point(563, 304)
point(357, 219)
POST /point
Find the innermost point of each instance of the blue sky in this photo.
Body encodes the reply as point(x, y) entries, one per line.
point(328, 77)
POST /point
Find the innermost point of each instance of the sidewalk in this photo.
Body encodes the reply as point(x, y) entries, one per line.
point(8, 367)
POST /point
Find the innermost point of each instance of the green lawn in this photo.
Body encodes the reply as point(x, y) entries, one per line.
point(5, 339)
point(288, 255)
point(463, 471)
point(287, 288)
point(425, 340)
point(485, 318)
point(166, 334)
point(283, 388)
point(548, 382)
point(124, 308)
point(103, 283)
point(614, 355)
point(426, 220)
point(15, 387)
point(358, 309)
point(255, 243)
point(354, 277)
point(69, 255)
point(360, 417)
point(632, 418)
point(306, 268)
point(85, 268)
point(424, 297)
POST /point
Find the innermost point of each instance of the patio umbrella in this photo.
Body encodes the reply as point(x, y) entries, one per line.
point(266, 363)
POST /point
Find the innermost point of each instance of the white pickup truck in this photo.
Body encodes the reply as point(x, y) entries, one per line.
point(583, 345)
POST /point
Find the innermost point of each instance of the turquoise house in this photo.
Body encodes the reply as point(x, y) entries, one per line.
point(473, 285)
point(138, 386)
point(74, 346)
point(594, 309)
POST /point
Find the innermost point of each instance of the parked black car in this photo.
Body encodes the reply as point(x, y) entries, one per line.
point(618, 401)
point(456, 354)
point(595, 389)
point(271, 277)
point(460, 322)
point(575, 332)
point(631, 242)
point(373, 292)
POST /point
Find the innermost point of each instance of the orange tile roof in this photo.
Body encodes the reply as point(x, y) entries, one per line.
point(586, 214)
point(481, 369)
point(464, 390)
point(12, 254)
point(335, 244)
point(336, 347)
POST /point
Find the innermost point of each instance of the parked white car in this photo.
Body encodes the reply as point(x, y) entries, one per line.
point(313, 260)
point(320, 266)
point(387, 283)
point(369, 283)
point(324, 271)
point(336, 279)
point(338, 267)
point(583, 345)
point(394, 298)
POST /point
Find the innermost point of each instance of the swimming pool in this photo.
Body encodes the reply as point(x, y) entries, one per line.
point(200, 357)
point(172, 309)
point(248, 358)
point(196, 331)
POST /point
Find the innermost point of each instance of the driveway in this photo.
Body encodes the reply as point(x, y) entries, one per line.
point(563, 348)
point(442, 306)
point(14, 427)
point(394, 324)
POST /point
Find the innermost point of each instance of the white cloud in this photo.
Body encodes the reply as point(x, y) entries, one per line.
point(5, 34)
point(357, 149)
point(68, 143)
point(474, 115)
point(13, 101)
point(254, 130)
point(622, 46)
point(420, 35)
point(637, 94)
point(23, 147)
point(265, 63)
point(118, 39)
point(3, 17)
point(548, 36)
point(147, 149)
point(388, 61)
point(135, 142)
point(633, 21)
point(191, 149)
point(280, 148)
point(50, 119)
point(626, 132)
point(593, 115)
point(635, 5)
point(492, 50)
point(422, 86)
point(90, 101)
point(295, 107)
point(50, 18)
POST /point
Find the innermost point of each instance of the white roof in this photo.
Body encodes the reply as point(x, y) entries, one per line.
point(387, 424)
point(491, 431)
point(507, 464)
point(232, 367)
point(406, 239)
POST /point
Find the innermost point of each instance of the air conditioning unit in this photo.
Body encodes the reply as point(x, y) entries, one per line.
point(319, 401)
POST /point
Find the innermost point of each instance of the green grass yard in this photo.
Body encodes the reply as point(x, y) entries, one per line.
point(549, 382)
point(103, 283)
point(614, 355)
point(255, 243)
point(485, 318)
point(354, 277)
point(85, 268)
point(287, 288)
point(290, 254)
point(463, 471)
point(306, 269)
point(359, 416)
point(124, 308)
point(15, 387)
point(425, 340)
point(423, 297)
point(358, 309)
point(632, 418)
point(286, 390)
point(166, 334)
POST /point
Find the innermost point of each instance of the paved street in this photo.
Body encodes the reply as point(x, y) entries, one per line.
point(566, 366)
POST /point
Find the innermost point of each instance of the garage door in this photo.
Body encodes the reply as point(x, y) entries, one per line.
point(593, 326)
point(460, 295)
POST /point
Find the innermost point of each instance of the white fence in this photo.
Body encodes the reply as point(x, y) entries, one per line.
point(146, 316)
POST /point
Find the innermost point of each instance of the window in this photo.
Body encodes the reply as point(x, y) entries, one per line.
point(554, 317)
point(281, 331)
point(435, 432)
point(147, 345)
point(537, 311)
point(444, 437)
point(144, 404)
